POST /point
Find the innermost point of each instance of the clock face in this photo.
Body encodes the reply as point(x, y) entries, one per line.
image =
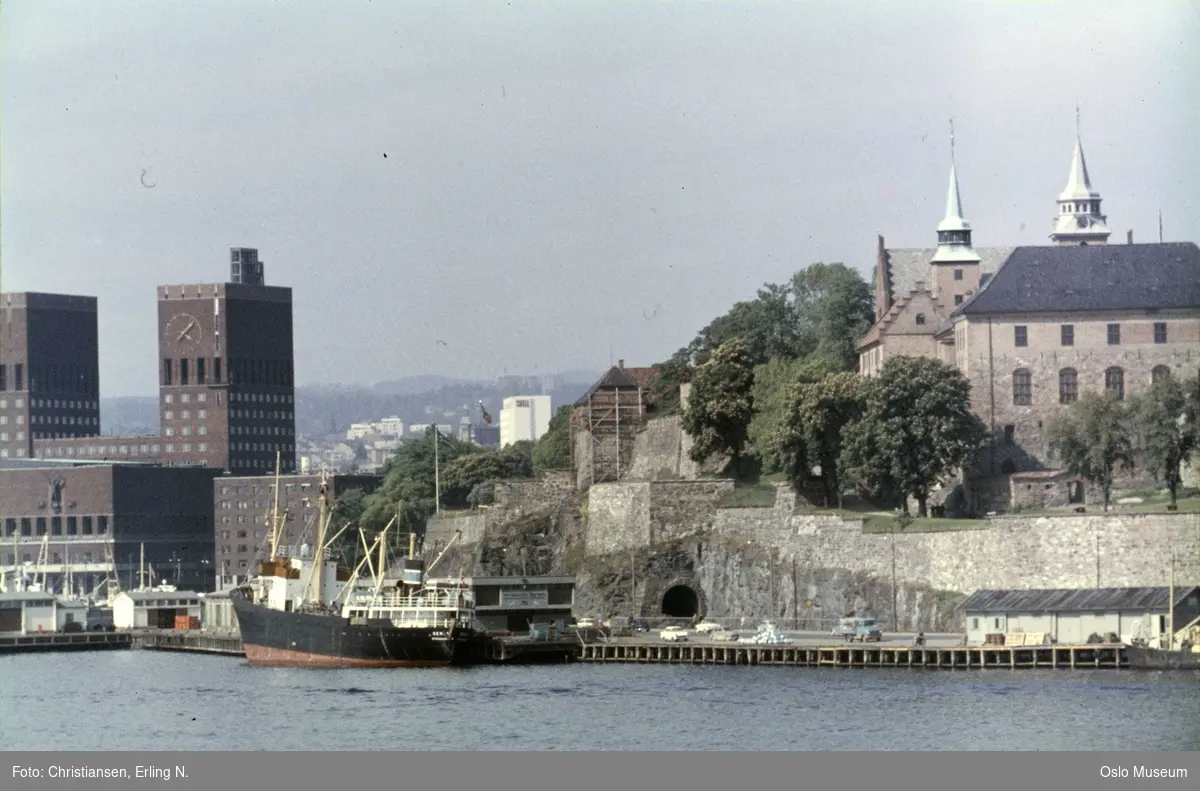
point(183, 328)
point(1082, 222)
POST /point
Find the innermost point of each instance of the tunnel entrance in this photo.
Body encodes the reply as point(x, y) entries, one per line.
point(680, 602)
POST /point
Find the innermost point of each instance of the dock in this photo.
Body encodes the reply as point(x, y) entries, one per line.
point(191, 642)
point(524, 650)
point(68, 641)
point(1110, 656)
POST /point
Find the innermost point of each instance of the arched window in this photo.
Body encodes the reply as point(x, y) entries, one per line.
point(1022, 387)
point(1068, 386)
point(1159, 373)
point(920, 319)
point(1114, 382)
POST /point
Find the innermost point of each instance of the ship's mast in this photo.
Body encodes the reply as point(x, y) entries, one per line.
point(275, 520)
point(319, 544)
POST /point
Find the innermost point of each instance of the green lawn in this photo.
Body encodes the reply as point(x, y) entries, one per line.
point(1153, 505)
point(748, 495)
point(876, 523)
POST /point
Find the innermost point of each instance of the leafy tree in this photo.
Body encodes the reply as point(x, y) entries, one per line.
point(1092, 439)
point(773, 381)
point(348, 507)
point(834, 307)
point(408, 483)
point(553, 450)
point(721, 404)
point(1166, 437)
point(813, 427)
point(916, 429)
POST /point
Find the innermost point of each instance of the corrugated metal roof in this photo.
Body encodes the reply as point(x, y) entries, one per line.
point(139, 596)
point(25, 596)
point(1072, 599)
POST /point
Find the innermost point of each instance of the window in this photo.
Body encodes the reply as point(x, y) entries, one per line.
point(102, 525)
point(87, 525)
point(1114, 382)
point(3, 377)
point(72, 526)
point(217, 370)
point(1159, 373)
point(1010, 435)
point(920, 319)
point(200, 361)
point(1114, 334)
point(1068, 386)
point(19, 381)
point(1022, 387)
point(1067, 333)
point(958, 299)
point(183, 370)
point(1021, 335)
point(974, 623)
point(1160, 336)
point(166, 372)
point(958, 274)
point(56, 526)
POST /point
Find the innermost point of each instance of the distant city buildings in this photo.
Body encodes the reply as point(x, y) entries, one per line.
point(524, 419)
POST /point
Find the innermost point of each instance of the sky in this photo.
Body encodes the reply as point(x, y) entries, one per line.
point(479, 189)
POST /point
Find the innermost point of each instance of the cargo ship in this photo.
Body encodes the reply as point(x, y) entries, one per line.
point(304, 610)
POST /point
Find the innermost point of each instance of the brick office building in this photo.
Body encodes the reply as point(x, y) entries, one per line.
point(242, 509)
point(93, 520)
point(49, 370)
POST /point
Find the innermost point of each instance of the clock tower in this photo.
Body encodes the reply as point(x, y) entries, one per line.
point(1079, 221)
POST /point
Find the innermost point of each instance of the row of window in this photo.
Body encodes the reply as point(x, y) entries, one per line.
point(62, 420)
point(56, 558)
point(95, 451)
point(258, 520)
point(1087, 207)
point(260, 398)
point(274, 431)
point(201, 370)
point(261, 414)
point(244, 504)
point(261, 446)
point(73, 525)
point(1067, 334)
point(56, 403)
point(264, 465)
point(185, 398)
point(201, 414)
point(19, 403)
point(185, 431)
point(20, 436)
point(53, 378)
point(1068, 384)
point(19, 420)
point(288, 488)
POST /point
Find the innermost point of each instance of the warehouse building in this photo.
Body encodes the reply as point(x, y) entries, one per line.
point(1070, 616)
point(156, 609)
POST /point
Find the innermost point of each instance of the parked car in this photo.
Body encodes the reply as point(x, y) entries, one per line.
point(72, 626)
point(708, 626)
point(723, 636)
point(673, 634)
point(639, 625)
point(862, 630)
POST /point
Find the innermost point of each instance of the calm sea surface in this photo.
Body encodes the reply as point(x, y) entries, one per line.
point(144, 700)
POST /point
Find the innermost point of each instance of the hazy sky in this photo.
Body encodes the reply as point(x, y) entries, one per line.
point(564, 183)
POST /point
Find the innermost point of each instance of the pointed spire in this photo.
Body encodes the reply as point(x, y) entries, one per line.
point(1079, 184)
point(954, 232)
point(1079, 220)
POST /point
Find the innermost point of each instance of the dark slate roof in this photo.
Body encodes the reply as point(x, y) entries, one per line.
point(1072, 599)
point(908, 266)
point(631, 378)
point(1095, 277)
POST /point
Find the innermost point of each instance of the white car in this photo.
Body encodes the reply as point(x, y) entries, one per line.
point(708, 626)
point(673, 634)
point(585, 623)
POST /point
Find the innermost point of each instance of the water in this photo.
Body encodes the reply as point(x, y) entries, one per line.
point(146, 700)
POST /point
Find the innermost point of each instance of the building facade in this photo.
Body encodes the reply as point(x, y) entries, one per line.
point(87, 521)
point(524, 419)
point(243, 506)
point(49, 370)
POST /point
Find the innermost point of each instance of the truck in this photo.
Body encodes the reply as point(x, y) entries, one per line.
point(862, 630)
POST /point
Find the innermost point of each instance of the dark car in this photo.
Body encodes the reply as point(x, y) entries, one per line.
point(72, 626)
point(639, 625)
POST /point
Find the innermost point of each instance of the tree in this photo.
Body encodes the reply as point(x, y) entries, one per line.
point(916, 429)
point(408, 483)
point(1092, 439)
point(833, 307)
point(348, 507)
point(812, 430)
point(773, 382)
point(553, 450)
point(1165, 435)
point(721, 404)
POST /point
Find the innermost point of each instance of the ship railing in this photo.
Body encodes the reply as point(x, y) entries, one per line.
point(424, 601)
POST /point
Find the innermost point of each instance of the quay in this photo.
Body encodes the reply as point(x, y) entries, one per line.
point(1110, 656)
point(69, 641)
point(190, 642)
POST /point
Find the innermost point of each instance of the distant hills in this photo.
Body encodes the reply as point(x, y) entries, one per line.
point(322, 410)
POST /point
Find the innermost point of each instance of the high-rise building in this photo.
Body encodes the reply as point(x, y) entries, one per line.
point(524, 418)
point(226, 379)
point(49, 370)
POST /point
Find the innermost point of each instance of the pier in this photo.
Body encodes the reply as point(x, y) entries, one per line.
point(987, 657)
point(526, 650)
point(191, 642)
point(68, 641)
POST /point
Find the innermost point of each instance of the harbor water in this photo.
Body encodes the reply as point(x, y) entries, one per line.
point(146, 700)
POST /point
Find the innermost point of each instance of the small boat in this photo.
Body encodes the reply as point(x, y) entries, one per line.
point(1144, 658)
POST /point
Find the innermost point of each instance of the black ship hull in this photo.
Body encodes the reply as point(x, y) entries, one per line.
point(1158, 659)
point(292, 639)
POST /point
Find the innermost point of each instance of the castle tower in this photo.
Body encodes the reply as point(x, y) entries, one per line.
point(1079, 221)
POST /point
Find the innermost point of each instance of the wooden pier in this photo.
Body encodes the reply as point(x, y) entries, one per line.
point(526, 651)
point(945, 658)
point(64, 641)
point(191, 642)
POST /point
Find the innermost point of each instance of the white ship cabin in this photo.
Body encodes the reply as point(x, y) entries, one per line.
point(433, 606)
point(285, 581)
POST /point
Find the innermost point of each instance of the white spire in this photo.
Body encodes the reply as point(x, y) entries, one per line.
point(954, 232)
point(1079, 220)
point(1079, 184)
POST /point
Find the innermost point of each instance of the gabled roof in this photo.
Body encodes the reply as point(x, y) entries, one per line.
point(631, 378)
point(1073, 599)
point(1092, 277)
point(908, 266)
point(30, 596)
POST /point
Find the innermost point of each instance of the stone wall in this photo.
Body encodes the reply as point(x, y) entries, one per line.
point(657, 451)
point(618, 517)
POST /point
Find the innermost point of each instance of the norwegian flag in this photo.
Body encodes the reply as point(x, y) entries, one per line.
point(486, 417)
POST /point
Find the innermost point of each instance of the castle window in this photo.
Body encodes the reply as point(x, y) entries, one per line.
point(1022, 387)
point(1021, 335)
point(1160, 332)
point(1114, 382)
point(1114, 334)
point(958, 299)
point(1010, 435)
point(1067, 334)
point(920, 319)
point(1068, 386)
point(958, 274)
point(1159, 373)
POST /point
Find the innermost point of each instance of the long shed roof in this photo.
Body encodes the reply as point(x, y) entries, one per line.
point(1072, 599)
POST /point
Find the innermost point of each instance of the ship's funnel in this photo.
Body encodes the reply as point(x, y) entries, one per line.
point(413, 572)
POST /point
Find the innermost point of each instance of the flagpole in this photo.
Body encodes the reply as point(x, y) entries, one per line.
point(437, 479)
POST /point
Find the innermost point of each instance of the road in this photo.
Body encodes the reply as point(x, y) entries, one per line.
point(810, 639)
